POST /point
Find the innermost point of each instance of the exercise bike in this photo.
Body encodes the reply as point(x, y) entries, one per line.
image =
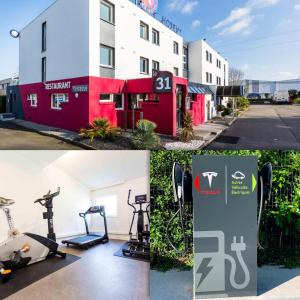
point(23, 249)
point(139, 244)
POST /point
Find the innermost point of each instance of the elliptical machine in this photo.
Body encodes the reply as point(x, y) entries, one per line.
point(139, 244)
point(23, 249)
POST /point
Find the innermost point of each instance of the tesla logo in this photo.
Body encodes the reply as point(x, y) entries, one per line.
point(209, 176)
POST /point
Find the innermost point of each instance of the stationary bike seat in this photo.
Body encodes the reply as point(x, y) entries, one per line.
point(6, 202)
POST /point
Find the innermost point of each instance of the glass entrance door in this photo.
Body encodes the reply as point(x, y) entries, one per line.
point(179, 106)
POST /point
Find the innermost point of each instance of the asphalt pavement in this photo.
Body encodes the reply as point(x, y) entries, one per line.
point(13, 137)
point(263, 127)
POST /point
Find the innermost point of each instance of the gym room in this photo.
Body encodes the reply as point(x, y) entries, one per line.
point(54, 243)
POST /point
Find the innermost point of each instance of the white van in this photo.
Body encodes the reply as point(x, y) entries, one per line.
point(281, 97)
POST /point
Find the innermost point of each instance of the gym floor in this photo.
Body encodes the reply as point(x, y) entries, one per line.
point(97, 275)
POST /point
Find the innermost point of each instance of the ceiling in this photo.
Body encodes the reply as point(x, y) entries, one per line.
point(99, 169)
point(94, 169)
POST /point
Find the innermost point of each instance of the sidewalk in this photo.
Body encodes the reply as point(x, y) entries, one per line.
point(274, 283)
point(204, 134)
point(61, 134)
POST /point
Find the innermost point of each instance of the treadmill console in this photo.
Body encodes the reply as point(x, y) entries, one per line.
point(95, 209)
point(141, 199)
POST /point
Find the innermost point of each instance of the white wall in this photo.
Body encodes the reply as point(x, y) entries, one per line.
point(198, 66)
point(119, 226)
point(67, 43)
point(25, 180)
point(129, 46)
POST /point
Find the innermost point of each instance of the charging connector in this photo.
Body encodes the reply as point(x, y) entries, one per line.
point(238, 248)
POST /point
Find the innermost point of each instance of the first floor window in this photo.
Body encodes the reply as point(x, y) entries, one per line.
point(144, 65)
point(135, 101)
point(118, 99)
point(57, 100)
point(33, 99)
point(176, 71)
point(107, 56)
point(105, 98)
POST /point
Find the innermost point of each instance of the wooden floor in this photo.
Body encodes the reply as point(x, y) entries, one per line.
point(98, 275)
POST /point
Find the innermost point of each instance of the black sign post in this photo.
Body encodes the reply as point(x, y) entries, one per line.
point(225, 226)
point(163, 81)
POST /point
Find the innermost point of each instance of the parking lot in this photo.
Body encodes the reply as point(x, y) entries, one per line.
point(265, 127)
point(13, 137)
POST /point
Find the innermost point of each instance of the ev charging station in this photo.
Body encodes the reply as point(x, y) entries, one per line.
point(225, 226)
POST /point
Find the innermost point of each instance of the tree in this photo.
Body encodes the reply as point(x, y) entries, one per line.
point(236, 76)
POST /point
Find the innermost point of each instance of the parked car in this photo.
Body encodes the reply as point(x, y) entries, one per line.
point(281, 97)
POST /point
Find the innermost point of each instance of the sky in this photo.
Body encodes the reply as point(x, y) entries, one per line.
point(260, 37)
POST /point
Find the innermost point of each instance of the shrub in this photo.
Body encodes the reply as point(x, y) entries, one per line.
point(99, 128)
point(187, 133)
point(297, 101)
point(145, 136)
point(227, 111)
point(220, 108)
point(242, 103)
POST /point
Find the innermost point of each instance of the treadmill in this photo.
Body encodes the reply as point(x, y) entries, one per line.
point(91, 238)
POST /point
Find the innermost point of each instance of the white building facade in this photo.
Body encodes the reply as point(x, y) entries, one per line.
point(206, 65)
point(87, 59)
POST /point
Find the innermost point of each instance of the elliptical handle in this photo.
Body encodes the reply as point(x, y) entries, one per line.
point(128, 199)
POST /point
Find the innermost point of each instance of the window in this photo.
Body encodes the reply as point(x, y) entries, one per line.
point(105, 98)
point(144, 65)
point(185, 58)
point(218, 63)
point(57, 100)
point(135, 100)
point(208, 57)
point(219, 80)
point(107, 11)
point(155, 65)
point(176, 71)
point(155, 37)
point(144, 31)
point(208, 77)
point(118, 99)
point(175, 48)
point(44, 69)
point(111, 204)
point(44, 36)
point(107, 56)
point(33, 99)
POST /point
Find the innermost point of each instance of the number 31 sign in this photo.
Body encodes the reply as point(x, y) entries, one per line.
point(163, 82)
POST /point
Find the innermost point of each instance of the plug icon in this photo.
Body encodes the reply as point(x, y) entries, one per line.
point(238, 247)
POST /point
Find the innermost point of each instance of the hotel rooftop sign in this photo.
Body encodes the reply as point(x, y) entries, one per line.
point(151, 6)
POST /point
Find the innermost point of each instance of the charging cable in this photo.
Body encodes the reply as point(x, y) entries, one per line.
point(238, 248)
